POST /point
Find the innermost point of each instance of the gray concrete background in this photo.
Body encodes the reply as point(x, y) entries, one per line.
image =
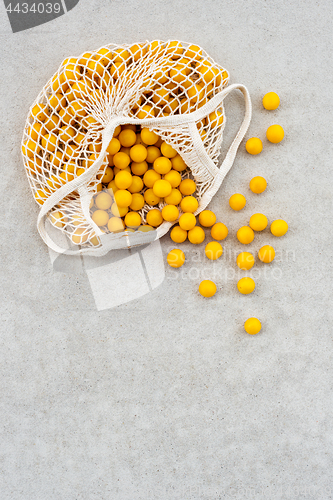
point(166, 397)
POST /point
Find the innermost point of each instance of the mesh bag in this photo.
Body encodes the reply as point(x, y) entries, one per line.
point(173, 88)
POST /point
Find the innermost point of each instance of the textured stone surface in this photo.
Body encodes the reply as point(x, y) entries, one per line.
point(166, 397)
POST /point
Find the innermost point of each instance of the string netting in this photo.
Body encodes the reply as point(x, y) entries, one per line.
point(63, 135)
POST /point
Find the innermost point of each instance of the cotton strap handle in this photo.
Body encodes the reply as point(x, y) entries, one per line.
point(79, 183)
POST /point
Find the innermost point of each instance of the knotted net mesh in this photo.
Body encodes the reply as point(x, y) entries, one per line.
point(139, 83)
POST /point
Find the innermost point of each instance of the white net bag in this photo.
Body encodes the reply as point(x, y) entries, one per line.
point(173, 88)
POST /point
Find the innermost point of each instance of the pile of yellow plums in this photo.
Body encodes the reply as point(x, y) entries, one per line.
point(143, 172)
point(64, 136)
point(176, 78)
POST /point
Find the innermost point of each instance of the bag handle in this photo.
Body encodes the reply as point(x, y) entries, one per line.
point(79, 182)
point(232, 151)
point(231, 154)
